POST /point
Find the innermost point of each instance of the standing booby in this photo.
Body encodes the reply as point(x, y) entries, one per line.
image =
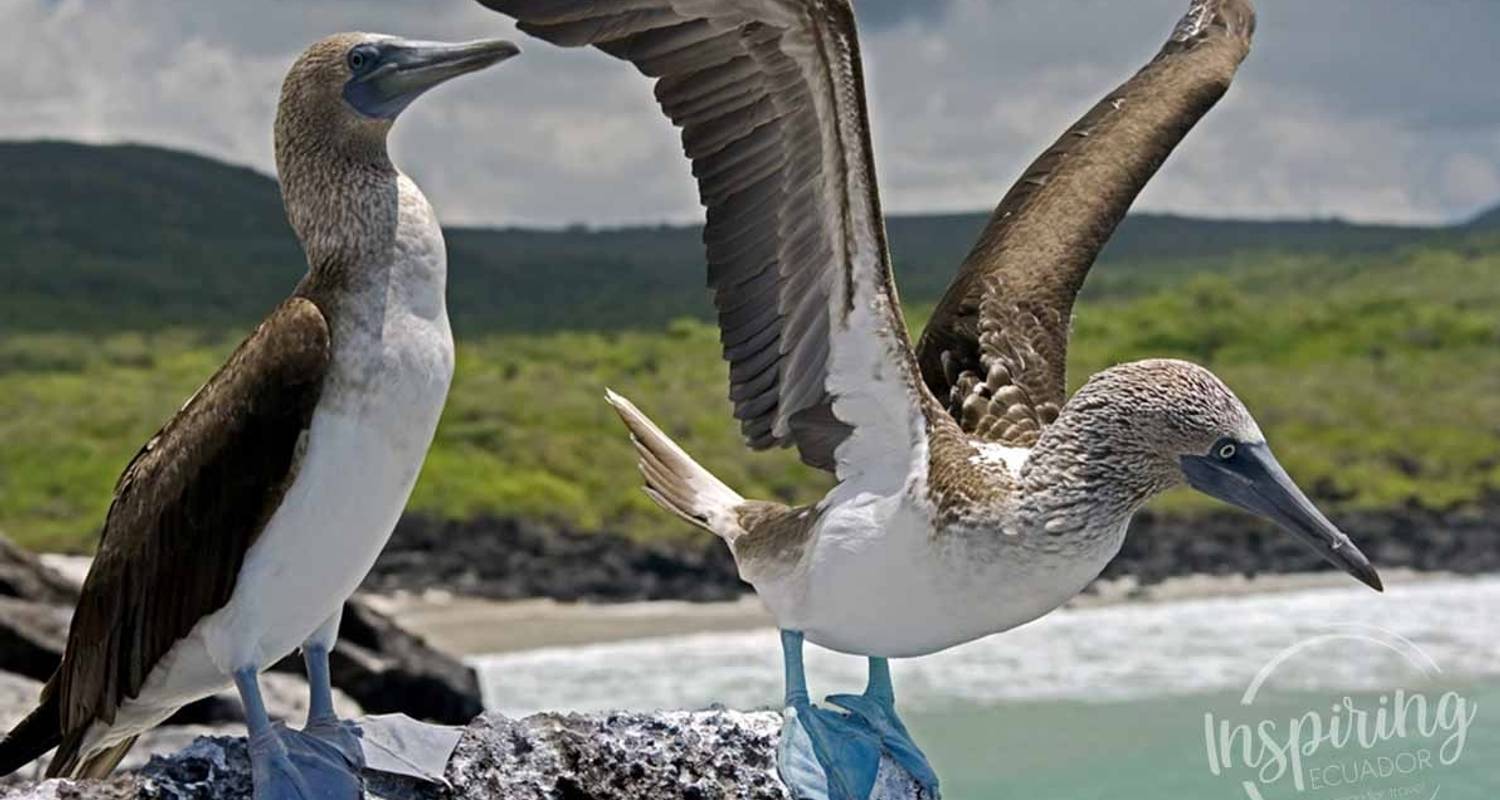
point(240, 529)
point(972, 495)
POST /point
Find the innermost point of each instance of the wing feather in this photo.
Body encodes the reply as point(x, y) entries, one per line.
point(769, 95)
point(995, 349)
point(186, 510)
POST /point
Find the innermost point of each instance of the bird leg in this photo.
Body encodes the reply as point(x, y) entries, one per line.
point(327, 750)
point(823, 755)
point(877, 709)
point(391, 743)
point(271, 767)
point(323, 723)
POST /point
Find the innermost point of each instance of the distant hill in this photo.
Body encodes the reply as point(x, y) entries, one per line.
point(123, 237)
point(1371, 354)
point(1489, 220)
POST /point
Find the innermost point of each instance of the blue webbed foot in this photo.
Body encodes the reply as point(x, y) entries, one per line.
point(276, 776)
point(825, 755)
point(329, 758)
point(879, 715)
point(341, 735)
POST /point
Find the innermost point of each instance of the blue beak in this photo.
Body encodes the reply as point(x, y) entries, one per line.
point(395, 72)
point(1254, 481)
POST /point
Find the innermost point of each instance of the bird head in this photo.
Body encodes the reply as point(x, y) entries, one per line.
point(1195, 430)
point(338, 103)
point(346, 90)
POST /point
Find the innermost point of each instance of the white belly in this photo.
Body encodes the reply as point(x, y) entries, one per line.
point(881, 582)
point(322, 542)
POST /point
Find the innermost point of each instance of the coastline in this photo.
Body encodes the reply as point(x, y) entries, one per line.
point(471, 626)
point(467, 625)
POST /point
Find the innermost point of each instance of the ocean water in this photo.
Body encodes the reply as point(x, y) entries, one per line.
point(1331, 694)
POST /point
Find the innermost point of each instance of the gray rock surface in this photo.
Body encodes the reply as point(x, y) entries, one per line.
point(387, 670)
point(25, 577)
point(32, 637)
point(708, 755)
point(381, 667)
point(18, 695)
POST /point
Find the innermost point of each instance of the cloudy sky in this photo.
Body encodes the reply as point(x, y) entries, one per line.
point(1372, 110)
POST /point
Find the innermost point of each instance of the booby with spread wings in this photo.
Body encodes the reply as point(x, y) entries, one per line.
point(240, 529)
point(972, 495)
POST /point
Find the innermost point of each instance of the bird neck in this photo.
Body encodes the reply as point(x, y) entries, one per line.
point(373, 244)
point(1090, 470)
point(342, 202)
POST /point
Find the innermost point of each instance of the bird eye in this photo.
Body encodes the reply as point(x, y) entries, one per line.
point(1226, 451)
point(360, 59)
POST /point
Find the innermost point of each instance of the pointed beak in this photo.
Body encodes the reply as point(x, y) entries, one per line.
point(407, 69)
point(1254, 481)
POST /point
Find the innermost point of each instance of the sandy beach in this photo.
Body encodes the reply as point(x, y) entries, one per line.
point(470, 626)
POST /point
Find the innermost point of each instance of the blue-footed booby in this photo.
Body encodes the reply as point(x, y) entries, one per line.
point(972, 495)
point(239, 530)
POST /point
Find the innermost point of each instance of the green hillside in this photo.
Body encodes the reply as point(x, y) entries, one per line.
point(1370, 355)
point(138, 238)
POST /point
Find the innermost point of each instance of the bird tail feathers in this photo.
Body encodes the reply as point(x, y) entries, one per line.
point(675, 481)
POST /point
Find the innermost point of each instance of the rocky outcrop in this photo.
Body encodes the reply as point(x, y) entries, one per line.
point(514, 559)
point(708, 755)
point(377, 666)
point(1460, 541)
point(32, 637)
point(387, 670)
point(25, 577)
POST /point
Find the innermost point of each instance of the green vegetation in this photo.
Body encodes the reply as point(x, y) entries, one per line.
point(1371, 356)
point(102, 239)
point(1377, 378)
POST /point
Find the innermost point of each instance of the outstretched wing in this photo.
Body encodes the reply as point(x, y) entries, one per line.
point(186, 510)
point(770, 98)
point(995, 350)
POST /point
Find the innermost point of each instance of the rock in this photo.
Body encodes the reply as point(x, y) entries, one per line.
point(512, 559)
point(36, 603)
point(1164, 546)
point(377, 664)
point(32, 637)
point(285, 695)
point(386, 670)
point(24, 577)
point(708, 755)
point(18, 695)
point(714, 754)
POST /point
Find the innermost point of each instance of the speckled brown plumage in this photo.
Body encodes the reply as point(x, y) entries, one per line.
point(996, 348)
point(338, 184)
point(1117, 443)
point(775, 537)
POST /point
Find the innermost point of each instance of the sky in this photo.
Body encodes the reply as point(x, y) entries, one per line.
point(1369, 110)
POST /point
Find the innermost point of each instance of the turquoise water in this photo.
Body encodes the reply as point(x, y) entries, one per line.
point(1149, 750)
point(1112, 702)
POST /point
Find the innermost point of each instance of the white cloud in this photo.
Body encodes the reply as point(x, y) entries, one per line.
point(1368, 109)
